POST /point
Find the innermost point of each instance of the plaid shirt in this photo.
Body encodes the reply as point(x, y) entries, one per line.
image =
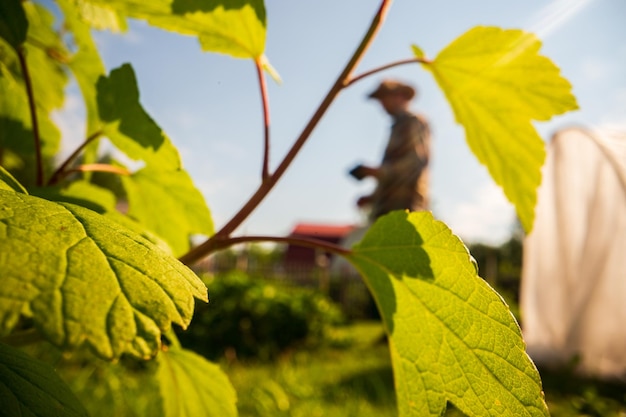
point(403, 180)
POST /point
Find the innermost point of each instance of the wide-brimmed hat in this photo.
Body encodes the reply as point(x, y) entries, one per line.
point(393, 87)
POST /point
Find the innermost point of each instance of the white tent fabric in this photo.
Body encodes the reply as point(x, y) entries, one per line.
point(573, 291)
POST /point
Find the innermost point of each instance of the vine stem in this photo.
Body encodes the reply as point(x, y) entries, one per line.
point(224, 242)
point(265, 172)
point(33, 114)
point(60, 172)
point(386, 67)
point(266, 186)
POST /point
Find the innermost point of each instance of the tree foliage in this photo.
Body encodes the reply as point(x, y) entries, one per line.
point(79, 270)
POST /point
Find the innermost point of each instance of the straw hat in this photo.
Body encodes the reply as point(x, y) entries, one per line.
point(390, 86)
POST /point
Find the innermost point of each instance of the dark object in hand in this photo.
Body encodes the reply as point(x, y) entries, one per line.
point(358, 172)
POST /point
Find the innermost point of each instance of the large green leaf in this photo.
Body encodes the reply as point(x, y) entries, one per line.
point(497, 83)
point(29, 387)
point(451, 336)
point(191, 386)
point(100, 200)
point(128, 125)
point(168, 204)
point(233, 27)
point(84, 278)
point(13, 23)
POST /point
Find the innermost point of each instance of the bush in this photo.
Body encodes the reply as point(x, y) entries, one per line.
point(252, 318)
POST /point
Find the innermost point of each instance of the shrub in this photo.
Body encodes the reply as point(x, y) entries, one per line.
point(253, 318)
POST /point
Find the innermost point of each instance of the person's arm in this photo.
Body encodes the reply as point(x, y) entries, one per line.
point(362, 171)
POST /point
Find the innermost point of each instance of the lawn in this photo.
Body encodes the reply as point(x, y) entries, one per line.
point(352, 377)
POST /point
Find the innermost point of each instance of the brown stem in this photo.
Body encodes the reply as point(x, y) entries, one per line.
point(266, 186)
point(224, 242)
point(60, 172)
point(33, 114)
point(265, 173)
point(386, 67)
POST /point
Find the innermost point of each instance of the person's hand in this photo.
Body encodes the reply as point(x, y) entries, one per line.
point(364, 201)
point(361, 171)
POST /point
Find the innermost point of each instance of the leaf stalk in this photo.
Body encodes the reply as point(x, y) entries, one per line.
point(60, 172)
point(265, 172)
point(386, 67)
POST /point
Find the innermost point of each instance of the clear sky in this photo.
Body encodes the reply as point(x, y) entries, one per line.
point(210, 106)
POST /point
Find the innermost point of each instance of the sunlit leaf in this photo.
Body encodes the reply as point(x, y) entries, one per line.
point(8, 182)
point(84, 278)
point(46, 55)
point(417, 51)
point(43, 51)
point(270, 70)
point(29, 387)
point(177, 383)
point(451, 336)
point(100, 17)
point(100, 200)
point(233, 27)
point(13, 23)
point(191, 386)
point(168, 204)
point(128, 125)
point(497, 84)
point(85, 64)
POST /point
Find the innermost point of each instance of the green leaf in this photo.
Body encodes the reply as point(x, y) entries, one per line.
point(13, 23)
point(84, 278)
point(128, 126)
point(270, 70)
point(46, 54)
point(233, 27)
point(451, 336)
point(417, 51)
point(153, 193)
point(29, 387)
point(497, 83)
point(43, 50)
point(99, 17)
point(191, 386)
point(86, 64)
point(102, 201)
point(8, 182)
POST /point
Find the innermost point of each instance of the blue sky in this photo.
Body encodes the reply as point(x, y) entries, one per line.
point(210, 106)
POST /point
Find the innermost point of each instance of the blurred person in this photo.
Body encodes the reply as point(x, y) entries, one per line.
point(402, 176)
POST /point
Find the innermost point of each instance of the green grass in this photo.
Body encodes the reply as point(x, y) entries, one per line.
point(329, 382)
point(353, 377)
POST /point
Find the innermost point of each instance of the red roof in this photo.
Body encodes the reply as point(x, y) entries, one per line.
point(321, 230)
